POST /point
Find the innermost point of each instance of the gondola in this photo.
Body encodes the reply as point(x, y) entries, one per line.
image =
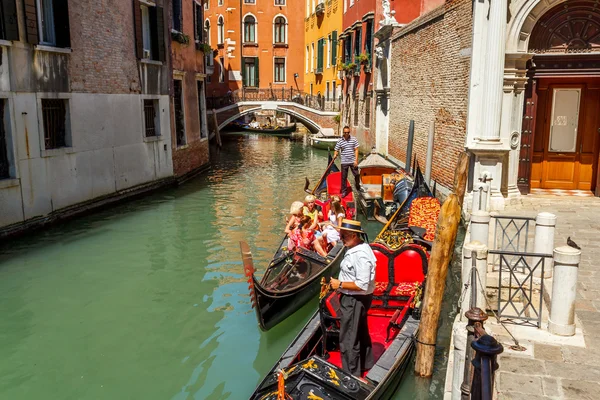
point(310, 368)
point(323, 142)
point(277, 131)
point(329, 185)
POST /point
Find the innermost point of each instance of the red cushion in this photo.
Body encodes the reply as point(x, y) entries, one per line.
point(408, 266)
point(424, 212)
point(381, 268)
point(334, 183)
point(332, 302)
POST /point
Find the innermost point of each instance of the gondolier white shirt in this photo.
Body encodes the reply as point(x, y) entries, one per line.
point(358, 266)
point(346, 149)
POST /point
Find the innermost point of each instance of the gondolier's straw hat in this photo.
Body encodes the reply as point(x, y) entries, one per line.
point(351, 225)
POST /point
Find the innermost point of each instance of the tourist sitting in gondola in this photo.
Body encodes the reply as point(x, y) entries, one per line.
point(330, 235)
point(312, 210)
point(303, 236)
point(295, 216)
point(253, 123)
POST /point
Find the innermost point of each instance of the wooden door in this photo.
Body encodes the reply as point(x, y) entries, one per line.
point(565, 143)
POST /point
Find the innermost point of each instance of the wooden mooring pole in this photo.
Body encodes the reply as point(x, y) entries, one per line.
point(217, 133)
point(441, 253)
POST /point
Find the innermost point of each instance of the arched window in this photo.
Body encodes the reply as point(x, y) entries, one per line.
point(249, 29)
point(207, 31)
point(221, 30)
point(279, 33)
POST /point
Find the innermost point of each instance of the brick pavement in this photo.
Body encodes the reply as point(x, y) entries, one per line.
point(560, 371)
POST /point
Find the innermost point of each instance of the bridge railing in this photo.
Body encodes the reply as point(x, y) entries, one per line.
point(316, 102)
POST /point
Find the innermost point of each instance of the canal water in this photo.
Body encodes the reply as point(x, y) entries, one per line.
point(147, 300)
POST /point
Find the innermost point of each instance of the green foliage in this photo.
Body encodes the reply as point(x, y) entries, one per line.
point(180, 37)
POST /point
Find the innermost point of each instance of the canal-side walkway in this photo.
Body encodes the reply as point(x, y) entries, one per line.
point(553, 367)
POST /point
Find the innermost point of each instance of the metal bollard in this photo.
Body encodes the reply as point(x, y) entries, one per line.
point(476, 316)
point(564, 289)
point(486, 352)
point(474, 255)
point(543, 242)
point(480, 227)
point(481, 193)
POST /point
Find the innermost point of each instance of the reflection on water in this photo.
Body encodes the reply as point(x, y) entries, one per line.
point(148, 299)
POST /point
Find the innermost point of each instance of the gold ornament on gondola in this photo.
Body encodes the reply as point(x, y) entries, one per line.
point(325, 287)
point(393, 240)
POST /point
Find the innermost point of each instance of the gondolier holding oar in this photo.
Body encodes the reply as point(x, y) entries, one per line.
point(356, 284)
point(347, 146)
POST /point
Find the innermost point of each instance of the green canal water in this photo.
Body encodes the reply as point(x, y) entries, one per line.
point(147, 300)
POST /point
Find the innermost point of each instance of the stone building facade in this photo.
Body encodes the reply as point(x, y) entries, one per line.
point(84, 111)
point(188, 101)
point(258, 44)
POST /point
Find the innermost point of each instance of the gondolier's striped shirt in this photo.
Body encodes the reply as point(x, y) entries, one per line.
point(346, 149)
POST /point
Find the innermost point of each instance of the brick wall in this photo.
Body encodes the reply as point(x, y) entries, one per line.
point(430, 73)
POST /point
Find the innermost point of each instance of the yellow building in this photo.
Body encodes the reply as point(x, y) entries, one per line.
point(322, 27)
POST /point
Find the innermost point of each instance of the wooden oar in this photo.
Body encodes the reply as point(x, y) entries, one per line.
point(323, 177)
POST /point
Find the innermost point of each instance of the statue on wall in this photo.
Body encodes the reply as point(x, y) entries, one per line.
point(388, 16)
point(379, 52)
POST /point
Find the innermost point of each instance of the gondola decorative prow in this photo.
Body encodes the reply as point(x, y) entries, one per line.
point(306, 185)
point(281, 394)
point(248, 270)
point(325, 288)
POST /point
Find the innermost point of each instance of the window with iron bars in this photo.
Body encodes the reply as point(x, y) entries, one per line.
point(367, 110)
point(4, 161)
point(54, 115)
point(355, 111)
point(179, 113)
point(151, 125)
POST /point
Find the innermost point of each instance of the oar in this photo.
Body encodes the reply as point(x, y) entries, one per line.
point(320, 180)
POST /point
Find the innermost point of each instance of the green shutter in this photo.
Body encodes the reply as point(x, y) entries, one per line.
point(244, 77)
point(9, 16)
point(320, 55)
point(334, 46)
point(257, 74)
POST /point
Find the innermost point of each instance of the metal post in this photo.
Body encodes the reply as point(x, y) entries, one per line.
point(486, 352)
point(411, 136)
point(543, 241)
point(481, 193)
point(474, 274)
point(564, 289)
point(429, 159)
point(475, 315)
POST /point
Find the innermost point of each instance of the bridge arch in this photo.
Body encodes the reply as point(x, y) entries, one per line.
point(312, 126)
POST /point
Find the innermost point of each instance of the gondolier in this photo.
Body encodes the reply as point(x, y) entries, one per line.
point(347, 146)
point(356, 284)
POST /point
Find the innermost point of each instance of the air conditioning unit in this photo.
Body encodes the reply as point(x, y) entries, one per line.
point(146, 53)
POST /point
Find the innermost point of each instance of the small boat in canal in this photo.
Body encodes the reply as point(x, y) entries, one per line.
point(326, 139)
point(386, 185)
point(271, 131)
point(311, 367)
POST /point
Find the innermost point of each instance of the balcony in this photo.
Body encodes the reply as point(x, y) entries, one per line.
point(320, 9)
point(319, 71)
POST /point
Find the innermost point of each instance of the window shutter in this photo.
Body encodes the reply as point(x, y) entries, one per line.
point(244, 75)
point(31, 21)
point(334, 46)
point(160, 28)
point(257, 74)
point(137, 24)
point(61, 23)
point(320, 54)
point(11, 26)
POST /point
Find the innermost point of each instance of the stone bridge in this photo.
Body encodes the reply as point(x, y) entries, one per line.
point(314, 120)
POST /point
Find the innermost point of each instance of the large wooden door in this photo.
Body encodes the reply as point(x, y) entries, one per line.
point(564, 155)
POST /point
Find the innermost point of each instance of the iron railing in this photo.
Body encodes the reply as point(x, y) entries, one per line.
point(518, 302)
point(512, 234)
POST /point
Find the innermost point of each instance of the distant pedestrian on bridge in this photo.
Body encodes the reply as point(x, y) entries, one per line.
point(347, 146)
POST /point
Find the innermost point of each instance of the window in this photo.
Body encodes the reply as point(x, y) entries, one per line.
point(334, 45)
point(250, 72)
point(9, 28)
point(357, 42)
point(221, 70)
point(307, 8)
point(279, 33)
point(4, 145)
point(206, 4)
point(249, 29)
point(334, 90)
point(151, 124)
point(54, 117)
point(220, 30)
point(177, 17)
point(312, 57)
point(369, 39)
point(328, 58)
point(280, 70)
point(280, 2)
point(149, 28)
point(348, 48)
point(47, 22)
point(198, 28)
point(307, 58)
point(249, 1)
point(207, 31)
point(320, 44)
point(179, 113)
point(201, 115)
point(327, 91)
point(355, 111)
point(220, 2)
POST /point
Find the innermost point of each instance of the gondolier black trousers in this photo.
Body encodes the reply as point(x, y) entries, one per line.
point(355, 341)
point(356, 174)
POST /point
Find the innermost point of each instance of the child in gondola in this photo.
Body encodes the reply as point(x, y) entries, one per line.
point(312, 210)
point(296, 215)
point(303, 236)
point(330, 234)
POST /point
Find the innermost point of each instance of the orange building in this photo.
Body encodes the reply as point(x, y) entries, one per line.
point(258, 44)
